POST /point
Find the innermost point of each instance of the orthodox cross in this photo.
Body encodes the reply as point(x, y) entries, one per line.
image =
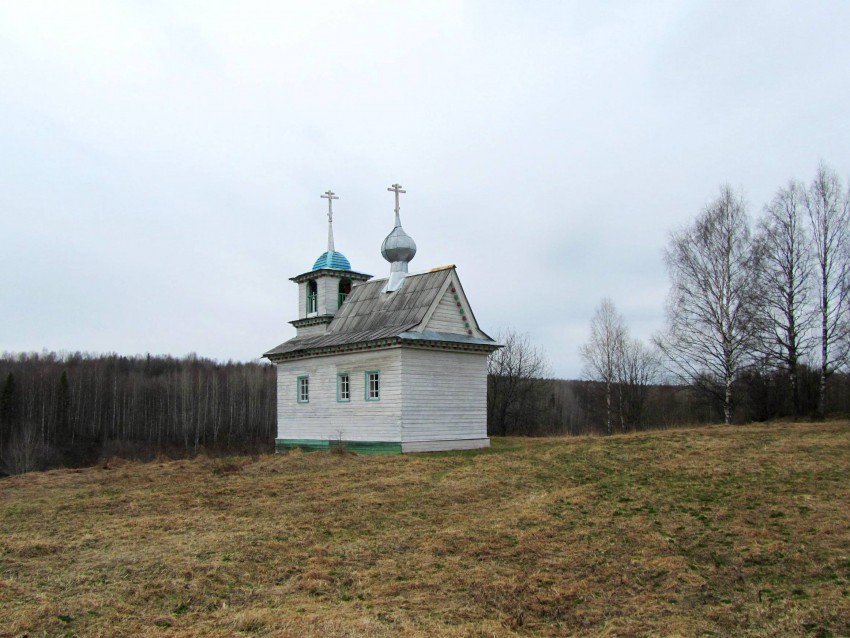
point(396, 188)
point(329, 195)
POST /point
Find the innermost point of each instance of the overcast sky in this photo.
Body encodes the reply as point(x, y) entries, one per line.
point(162, 162)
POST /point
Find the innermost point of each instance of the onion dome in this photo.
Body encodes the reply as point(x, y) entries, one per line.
point(335, 260)
point(398, 246)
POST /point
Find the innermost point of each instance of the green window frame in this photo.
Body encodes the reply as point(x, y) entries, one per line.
point(373, 385)
point(343, 387)
point(302, 389)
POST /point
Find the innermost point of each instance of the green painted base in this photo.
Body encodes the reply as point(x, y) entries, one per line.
point(361, 447)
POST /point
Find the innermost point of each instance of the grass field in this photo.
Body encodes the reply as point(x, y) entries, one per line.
point(719, 531)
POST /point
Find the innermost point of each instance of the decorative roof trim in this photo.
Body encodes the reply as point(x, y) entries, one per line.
point(452, 346)
point(312, 321)
point(383, 344)
point(312, 274)
point(378, 344)
point(448, 337)
point(461, 301)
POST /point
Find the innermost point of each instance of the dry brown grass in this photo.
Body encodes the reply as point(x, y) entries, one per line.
point(718, 531)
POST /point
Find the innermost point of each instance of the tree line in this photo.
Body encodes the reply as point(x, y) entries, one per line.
point(757, 317)
point(769, 302)
point(73, 409)
point(523, 399)
point(757, 327)
point(78, 409)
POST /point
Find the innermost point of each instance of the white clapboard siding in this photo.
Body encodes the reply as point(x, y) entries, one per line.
point(313, 331)
point(328, 297)
point(302, 300)
point(445, 395)
point(324, 418)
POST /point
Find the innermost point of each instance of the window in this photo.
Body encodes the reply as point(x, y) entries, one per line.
point(303, 389)
point(344, 290)
point(343, 387)
point(373, 385)
point(312, 297)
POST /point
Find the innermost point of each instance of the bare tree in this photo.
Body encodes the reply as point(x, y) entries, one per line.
point(624, 366)
point(603, 353)
point(8, 409)
point(827, 206)
point(516, 376)
point(639, 370)
point(784, 270)
point(24, 452)
point(710, 324)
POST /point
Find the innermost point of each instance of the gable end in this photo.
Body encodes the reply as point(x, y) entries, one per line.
point(452, 313)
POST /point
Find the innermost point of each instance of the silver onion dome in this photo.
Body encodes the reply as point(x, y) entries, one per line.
point(398, 248)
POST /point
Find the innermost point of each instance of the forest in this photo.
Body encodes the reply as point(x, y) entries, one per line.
point(75, 409)
point(69, 410)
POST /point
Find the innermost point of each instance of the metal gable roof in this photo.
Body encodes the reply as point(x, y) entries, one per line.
point(369, 313)
point(369, 308)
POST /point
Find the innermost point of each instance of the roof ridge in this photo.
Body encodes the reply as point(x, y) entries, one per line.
point(419, 273)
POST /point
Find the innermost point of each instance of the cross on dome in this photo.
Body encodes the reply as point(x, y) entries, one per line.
point(396, 188)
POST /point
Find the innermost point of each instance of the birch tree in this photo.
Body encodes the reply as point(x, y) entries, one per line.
point(625, 367)
point(711, 330)
point(602, 355)
point(785, 276)
point(827, 206)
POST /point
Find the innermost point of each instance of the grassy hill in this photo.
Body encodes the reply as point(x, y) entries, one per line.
point(714, 531)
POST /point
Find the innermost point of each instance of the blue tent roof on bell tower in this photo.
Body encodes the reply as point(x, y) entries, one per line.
point(332, 259)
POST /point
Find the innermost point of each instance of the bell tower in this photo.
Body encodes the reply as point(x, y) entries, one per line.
point(324, 288)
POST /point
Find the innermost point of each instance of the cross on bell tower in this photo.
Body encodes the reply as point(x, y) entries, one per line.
point(324, 288)
point(330, 196)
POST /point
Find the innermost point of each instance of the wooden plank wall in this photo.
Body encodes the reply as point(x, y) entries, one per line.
point(326, 419)
point(302, 300)
point(445, 395)
point(328, 297)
